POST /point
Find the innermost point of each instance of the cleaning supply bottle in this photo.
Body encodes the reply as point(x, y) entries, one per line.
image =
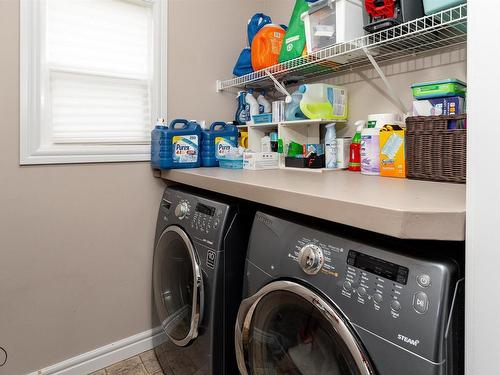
point(331, 146)
point(370, 151)
point(355, 149)
point(292, 110)
point(176, 146)
point(264, 104)
point(252, 106)
point(158, 143)
point(323, 101)
point(241, 110)
point(217, 141)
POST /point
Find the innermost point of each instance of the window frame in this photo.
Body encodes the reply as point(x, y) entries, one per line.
point(32, 129)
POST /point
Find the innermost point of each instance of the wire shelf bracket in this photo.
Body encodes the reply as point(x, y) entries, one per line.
point(387, 84)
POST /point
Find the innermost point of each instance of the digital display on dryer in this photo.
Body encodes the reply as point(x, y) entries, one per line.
point(378, 267)
point(204, 209)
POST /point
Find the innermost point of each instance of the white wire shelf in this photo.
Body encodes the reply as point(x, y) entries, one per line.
point(441, 30)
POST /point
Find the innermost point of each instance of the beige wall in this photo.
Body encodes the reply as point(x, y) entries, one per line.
point(76, 240)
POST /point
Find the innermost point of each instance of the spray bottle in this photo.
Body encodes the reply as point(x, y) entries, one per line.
point(241, 111)
point(264, 104)
point(355, 148)
point(252, 106)
point(331, 146)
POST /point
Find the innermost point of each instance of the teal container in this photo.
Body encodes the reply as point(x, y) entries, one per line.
point(176, 146)
point(434, 6)
point(216, 142)
point(439, 89)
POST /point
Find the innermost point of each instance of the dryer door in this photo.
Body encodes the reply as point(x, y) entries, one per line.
point(286, 328)
point(177, 286)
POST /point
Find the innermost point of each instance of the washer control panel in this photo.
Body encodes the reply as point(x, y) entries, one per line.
point(203, 218)
point(206, 218)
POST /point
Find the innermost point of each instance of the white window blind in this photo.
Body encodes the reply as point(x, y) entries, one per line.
point(100, 69)
point(92, 79)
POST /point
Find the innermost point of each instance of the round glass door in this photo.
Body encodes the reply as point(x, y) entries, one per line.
point(288, 330)
point(177, 286)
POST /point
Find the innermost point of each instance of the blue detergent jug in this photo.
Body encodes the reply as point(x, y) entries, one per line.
point(176, 146)
point(216, 142)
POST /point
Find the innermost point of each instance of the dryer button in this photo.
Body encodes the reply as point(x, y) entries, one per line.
point(395, 305)
point(347, 286)
point(420, 302)
point(361, 291)
point(377, 297)
point(424, 280)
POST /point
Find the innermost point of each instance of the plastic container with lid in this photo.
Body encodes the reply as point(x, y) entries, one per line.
point(434, 6)
point(439, 89)
point(217, 141)
point(176, 146)
point(323, 101)
point(266, 46)
point(329, 22)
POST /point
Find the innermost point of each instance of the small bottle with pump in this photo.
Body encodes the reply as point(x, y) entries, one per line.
point(355, 149)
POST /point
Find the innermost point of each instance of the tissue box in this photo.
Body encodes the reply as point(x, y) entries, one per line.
point(392, 152)
point(260, 160)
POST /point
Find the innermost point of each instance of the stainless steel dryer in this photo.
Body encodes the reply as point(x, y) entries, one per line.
point(198, 267)
point(322, 302)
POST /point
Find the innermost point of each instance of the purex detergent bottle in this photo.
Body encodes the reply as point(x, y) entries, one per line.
point(177, 146)
point(217, 141)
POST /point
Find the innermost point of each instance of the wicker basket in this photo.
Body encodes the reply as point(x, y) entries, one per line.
point(434, 152)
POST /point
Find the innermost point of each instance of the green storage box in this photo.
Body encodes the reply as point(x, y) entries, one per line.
point(439, 89)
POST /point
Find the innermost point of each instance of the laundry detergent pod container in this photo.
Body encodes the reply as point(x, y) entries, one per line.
point(177, 146)
point(324, 102)
point(266, 46)
point(217, 141)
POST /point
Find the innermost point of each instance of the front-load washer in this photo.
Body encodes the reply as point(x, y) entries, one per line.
point(325, 302)
point(198, 269)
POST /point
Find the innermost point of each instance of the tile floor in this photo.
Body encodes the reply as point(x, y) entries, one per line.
point(142, 364)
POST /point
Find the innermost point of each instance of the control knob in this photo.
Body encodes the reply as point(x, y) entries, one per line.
point(181, 210)
point(311, 259)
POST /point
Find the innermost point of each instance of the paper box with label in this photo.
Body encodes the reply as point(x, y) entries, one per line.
point(260, 160)
point(392, 151)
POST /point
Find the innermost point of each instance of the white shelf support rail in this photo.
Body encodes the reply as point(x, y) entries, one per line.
point(280, 87)
point(392, 92)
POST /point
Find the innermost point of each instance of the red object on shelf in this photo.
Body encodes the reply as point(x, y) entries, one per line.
point(355, 157)
point(380, 9)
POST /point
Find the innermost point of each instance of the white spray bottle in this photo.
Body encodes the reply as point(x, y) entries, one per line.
point(264, 104)
point(252, 106)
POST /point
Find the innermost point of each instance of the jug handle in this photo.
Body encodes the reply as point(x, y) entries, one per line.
point(185, 124)
point(220, 124)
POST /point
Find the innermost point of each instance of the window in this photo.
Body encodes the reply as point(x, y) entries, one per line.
point(92, 79)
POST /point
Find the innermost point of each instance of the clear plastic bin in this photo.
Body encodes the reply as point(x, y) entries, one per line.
point(330, 22)
point(434, 6)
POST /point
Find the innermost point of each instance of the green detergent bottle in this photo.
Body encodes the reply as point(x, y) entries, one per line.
point(295, 38)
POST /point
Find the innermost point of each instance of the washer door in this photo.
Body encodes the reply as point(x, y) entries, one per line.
point(286, 329)
point(177, 286)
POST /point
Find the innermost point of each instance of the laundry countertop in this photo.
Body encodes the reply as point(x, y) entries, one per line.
point(400, 208)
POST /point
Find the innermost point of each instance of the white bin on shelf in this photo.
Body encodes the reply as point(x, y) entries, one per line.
point(329, 22)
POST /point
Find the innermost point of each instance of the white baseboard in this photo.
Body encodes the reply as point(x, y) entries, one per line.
point(106, 355)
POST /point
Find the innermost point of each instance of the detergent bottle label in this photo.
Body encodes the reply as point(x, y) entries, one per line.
point(185, 148)
point(223, 146)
